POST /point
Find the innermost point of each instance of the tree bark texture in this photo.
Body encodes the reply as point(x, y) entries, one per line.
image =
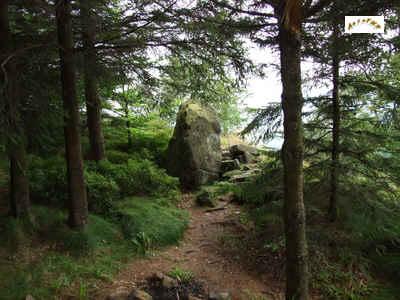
point(334, 171)
point(292, 156)
point(78, 208)
point(19, 183)
point(93, 103)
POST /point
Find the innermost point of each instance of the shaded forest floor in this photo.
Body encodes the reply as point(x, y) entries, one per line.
point(216, 250)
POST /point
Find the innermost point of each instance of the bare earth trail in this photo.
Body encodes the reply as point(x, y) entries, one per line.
point(202, 253)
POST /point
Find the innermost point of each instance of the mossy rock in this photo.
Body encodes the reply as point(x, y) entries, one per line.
point(230, 174)
point(194, 151)
point(207, 196)
point(229, 165)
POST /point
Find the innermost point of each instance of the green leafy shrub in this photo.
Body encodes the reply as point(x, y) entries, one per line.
point(144, 178)
point(104, 167)
point(51, 223)
point(225, 187)
point(60, 267)
point(150, 138)
point(268, 217)
point(266, 187)
point(75, 242)
point(102, 192)
point(142, 243)
point(98, 233)
point(339, 272)
point(106, 182)
point(118, 157)
point(181, 275)
point(149, 222)
point(138, 177)
point(48, 183)
point(15, 233)
point(48, 180)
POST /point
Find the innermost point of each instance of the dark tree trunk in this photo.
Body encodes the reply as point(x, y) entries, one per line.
point(78, 209)
point(332, 213)
point(130, 141)
point(127, 122)
point(292, 156)
point(19, 183)
point(93, 103)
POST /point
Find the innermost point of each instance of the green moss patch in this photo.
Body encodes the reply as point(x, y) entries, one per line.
point(46, 259)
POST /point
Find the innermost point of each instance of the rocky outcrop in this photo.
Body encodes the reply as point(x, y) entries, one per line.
point(244, 153)
point(240, 163)
point(194, 152)
point(229, 165)
point(241, 175)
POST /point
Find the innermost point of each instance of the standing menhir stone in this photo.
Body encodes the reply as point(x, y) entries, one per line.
point(194, 152)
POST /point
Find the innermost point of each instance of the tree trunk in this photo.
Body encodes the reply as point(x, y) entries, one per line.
point(126, 115)
point(19, 183)
point(128, 124)
point(93, 103)
point(292, 156)
point(332, 212)
point(78, 209)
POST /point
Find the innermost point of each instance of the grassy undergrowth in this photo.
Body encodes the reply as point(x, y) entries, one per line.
point(341, 267)
point(131, 205)
point(150, 223)
point(45, 258)
point(357, 257)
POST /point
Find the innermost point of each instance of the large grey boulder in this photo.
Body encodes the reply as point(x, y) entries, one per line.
point(194, 152)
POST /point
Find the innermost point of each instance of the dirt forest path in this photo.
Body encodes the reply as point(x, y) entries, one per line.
point(201, 253)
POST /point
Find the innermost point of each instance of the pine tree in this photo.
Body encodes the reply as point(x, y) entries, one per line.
point(19, 184)
point(292, 150)
point(93, 102)
point(335, 150)
point(78, 207)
